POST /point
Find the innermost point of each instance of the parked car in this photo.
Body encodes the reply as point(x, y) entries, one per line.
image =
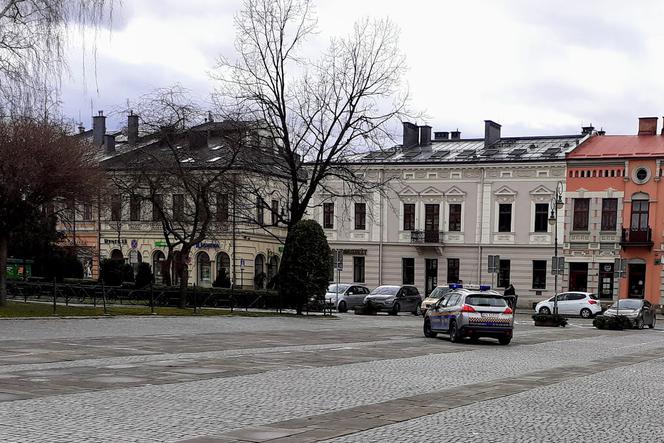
point(639, 312)
point(344, 296)
point(585, 304)
point(433, 297)
point(470, 313)
point(394, 299)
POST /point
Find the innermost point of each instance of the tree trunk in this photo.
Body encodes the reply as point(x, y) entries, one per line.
point(4, 241)
point(184, 277)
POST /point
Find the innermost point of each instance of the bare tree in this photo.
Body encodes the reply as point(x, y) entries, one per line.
point(39, 164)
point(318, 113)
point(174, 169)
point(32, 42)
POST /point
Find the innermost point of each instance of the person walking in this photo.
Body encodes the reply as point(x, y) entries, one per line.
point(510, 292)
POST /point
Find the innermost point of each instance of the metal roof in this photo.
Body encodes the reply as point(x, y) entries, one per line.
point(507, 149)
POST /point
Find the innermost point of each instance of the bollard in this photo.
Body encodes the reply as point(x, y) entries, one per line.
point(151, 299)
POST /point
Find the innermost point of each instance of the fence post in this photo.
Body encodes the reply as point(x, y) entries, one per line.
point(55, 289)
point(151, 299)
point(194, 298)
point(94, 298)
point(103, 296)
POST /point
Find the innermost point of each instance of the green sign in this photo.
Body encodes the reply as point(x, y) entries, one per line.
point(15, 270)
point(160, 244)
point(281, 249)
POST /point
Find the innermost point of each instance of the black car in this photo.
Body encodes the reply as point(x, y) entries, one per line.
point(639, 312)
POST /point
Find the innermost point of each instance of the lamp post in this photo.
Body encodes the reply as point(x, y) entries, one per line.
point(556, 203)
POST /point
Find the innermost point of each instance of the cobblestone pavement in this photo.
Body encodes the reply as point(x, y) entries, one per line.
point(354, 377)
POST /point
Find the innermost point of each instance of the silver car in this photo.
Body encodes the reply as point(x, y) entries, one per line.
point(394, 299)
point(345, 296)
point(471, 313)
point(639, 312)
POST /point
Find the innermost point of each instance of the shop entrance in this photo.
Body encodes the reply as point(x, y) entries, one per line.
point(606, 280)
point(578, 276)
point(431, 274)
point(636, 279)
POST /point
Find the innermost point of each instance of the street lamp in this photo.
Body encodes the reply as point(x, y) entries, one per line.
point(556, 203)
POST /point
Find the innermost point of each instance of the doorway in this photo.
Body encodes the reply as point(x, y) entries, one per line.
point(430, 274)
point(636, 279)
point(606, 281)
point(578, 277)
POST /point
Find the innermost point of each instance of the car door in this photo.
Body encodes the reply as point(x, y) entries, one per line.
point(450, 306)
point(413, 298)
point(563, 308)
point(360, 292)
point(574, 303)
point(436, 316)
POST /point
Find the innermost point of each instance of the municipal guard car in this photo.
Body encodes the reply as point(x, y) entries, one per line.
point(470, 313)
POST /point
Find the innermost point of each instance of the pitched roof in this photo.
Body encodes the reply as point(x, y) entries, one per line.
point(619, 146)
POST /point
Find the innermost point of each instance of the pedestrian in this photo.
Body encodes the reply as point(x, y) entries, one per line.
point(510, 294)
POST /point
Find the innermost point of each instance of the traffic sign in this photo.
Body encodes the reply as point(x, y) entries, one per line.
point(494, 264)
point(557, 265)
point(241, 263)
point(339, 259)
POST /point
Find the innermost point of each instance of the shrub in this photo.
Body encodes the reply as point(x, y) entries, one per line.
point(222, 280)
point(304, 268)
point(111, 272)
point(549, 320)
point(613, 322)
point(143, 276)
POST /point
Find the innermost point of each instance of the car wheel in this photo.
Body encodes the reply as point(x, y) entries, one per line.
point(454, 333)
point(417, 311)
point(428, 332)
point(652, 324)
point(544, 310)
point(395, 309)
point(504, 340)
point(586, 313)
point(342, 306)
point(639, 323)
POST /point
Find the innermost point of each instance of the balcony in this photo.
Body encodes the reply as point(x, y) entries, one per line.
point(636, 238)
point(426, 237)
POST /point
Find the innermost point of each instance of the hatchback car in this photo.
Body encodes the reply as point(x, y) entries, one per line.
point(433, 297)
point(470, 313)
point(345, 296)
point(639, 312)
point(585, 304)
point(394, 299)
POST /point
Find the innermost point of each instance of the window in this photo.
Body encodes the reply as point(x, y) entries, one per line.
point(609, 214)
point(504, 274)
point(116, 207)
point(358, 269)
point(157, 206)
point(505, 217)
point(360, 218)
point(275, 212)
point(222, 208)
point(581, 213)
point(455, 217)
point(640, 215)
point(87, 211)
point(328, 215)
point(178, 207)
point(541, 217)
point(135, 208)
point(409, 216)
point(452, 270)
point(539, 274)
point(408, 270)
point(260, 210)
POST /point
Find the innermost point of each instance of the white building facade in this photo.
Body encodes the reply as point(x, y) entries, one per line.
point(448, 205)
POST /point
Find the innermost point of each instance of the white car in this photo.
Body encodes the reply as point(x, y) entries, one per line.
point(584, 304)
point(347, 297)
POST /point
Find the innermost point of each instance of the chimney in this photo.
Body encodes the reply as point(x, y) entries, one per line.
point(132, 128)
point(197, 139)
point(109, 144)
point(444, 135)
point(411, 136)
point(601, 132)
point(491, 133)
point(425, 135)
point(98, 128)
point(647, 126)
point(455, 135)
point(586, 130)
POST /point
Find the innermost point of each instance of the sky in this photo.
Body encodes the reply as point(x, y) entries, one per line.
point(537, 68)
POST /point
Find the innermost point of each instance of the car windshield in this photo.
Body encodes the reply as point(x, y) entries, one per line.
point(627, 304)
point(385, 290)
point(486, 300)
point(439, 292)
point(333, 287)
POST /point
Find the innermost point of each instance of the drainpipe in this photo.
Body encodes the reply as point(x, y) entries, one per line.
point(480, 218)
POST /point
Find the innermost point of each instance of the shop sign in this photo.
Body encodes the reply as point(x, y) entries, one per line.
point(210, 245)
point(355, 252)
point(160, 244)
point(108, 241)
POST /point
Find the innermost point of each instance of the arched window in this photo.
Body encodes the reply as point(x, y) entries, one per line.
point(272, 268)
point(223, 265)
point(116, 255)
point(204, 268)
point(259, 272)
point(157, 259)
point(640, 209)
